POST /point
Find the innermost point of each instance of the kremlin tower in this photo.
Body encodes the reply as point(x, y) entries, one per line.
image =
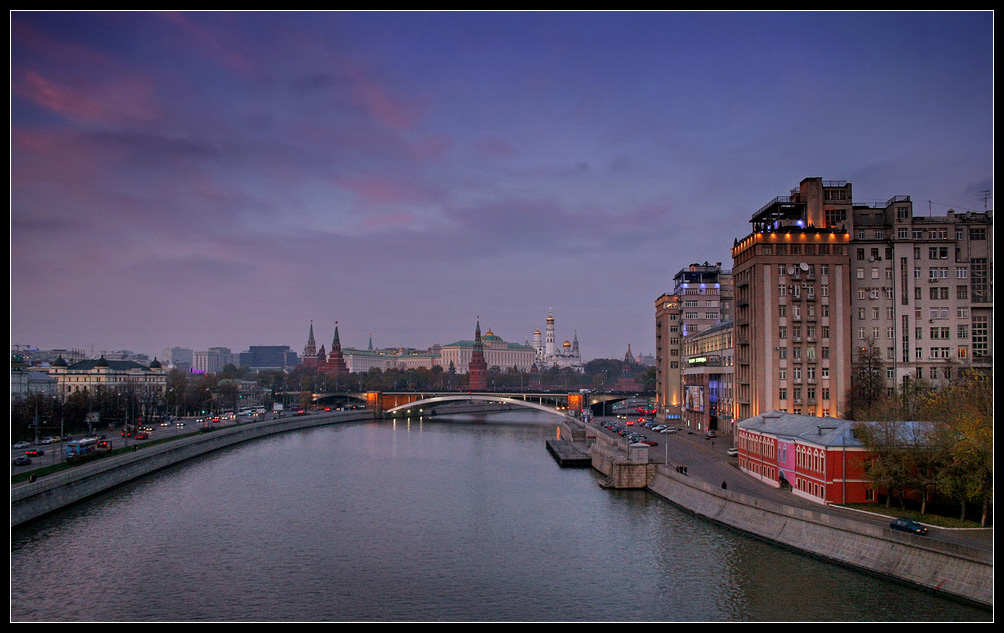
point(335, 364)
point(478, 367)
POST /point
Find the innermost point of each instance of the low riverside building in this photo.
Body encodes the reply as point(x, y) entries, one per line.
point(818, 459)
point(110, 376)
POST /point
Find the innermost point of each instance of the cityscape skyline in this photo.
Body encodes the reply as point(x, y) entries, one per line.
point(224, 179)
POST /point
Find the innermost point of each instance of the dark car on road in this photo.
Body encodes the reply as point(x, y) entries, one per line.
point(21, 461)
point(908, 525)
point(34, 452)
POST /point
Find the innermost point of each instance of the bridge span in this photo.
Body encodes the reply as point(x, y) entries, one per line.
point(551, 402)
point(429, 403)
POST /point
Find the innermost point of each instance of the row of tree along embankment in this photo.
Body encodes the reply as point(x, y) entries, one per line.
point(45, 495)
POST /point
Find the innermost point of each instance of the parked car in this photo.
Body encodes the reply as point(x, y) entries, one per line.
point(710, 434)
point(908, 525)
point(21, 445)
point(48, 440)
point(733, 452)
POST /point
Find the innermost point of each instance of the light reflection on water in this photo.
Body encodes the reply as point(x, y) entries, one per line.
point(419, 521)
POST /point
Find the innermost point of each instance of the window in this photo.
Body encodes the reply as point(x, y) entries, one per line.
point(981, 336)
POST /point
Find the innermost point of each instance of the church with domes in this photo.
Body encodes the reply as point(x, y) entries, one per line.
point(548, 354)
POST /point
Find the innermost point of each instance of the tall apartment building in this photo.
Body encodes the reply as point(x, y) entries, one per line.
point(706, 294)
point(922, 290)
point(668, 337)
point(702, 299)
point(792, 278)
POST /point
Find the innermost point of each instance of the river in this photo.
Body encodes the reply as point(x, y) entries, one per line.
point(459, 519)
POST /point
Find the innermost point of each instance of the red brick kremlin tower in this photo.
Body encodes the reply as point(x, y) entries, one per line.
point(310, 350)
point(336, 361)
point(478, 367)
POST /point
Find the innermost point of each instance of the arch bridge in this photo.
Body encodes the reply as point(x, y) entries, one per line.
point(555, 403)
point(392, 401)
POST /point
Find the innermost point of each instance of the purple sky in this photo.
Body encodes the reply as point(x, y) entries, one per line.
point(222, 179)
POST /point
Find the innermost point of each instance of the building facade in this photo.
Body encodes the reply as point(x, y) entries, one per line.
point(497, 353)
point(818, 459)
point(668, 352)
point(792, 279)
point(213, 360)
point(705, 291)
point(922, 291)
point(708, 364)
point(110, 376)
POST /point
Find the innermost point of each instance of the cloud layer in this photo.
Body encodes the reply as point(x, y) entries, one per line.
point(214, 179)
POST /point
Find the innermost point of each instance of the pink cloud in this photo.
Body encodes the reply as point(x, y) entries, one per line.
point(380, 190)
point(211, 43)
point(378, 101)
point(125, 98)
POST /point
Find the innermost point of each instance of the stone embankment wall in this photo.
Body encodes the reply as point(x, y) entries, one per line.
point(48, 494)
point(935, 565)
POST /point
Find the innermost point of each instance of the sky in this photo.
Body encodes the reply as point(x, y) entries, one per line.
point(226, 179)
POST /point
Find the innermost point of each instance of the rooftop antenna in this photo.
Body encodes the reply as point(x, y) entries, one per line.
point(986, 196)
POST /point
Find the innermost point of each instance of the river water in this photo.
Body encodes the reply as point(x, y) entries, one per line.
point(466, 519)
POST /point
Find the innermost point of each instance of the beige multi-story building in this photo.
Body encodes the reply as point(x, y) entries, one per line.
point(792, 278)
point(213, 360)
point(708, 376)
point(705, 292)
point(668, 348)
point(922, 290)
point(105, 375)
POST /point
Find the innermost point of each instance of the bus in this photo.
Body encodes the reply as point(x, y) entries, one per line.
point(80, 448)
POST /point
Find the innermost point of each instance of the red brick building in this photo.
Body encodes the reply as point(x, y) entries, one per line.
point(818, 459)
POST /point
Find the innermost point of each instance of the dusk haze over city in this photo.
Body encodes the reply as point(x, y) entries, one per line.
point(227, 179)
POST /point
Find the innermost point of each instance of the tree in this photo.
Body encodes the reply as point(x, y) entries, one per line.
point(965, 409)
point(868, 385)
